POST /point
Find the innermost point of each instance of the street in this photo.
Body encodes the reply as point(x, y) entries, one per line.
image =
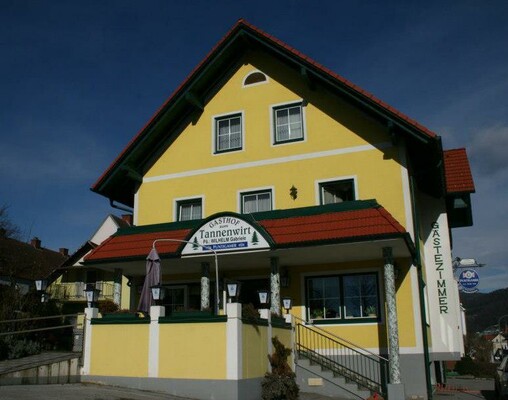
point(456, 389)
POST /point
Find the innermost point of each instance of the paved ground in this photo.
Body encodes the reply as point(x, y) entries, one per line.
point(457, 389)
point(466, 389)
point(81, 391)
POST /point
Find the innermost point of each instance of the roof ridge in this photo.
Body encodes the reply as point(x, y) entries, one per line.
point(243, 24)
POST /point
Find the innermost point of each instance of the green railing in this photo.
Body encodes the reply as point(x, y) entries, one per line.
point(343, 358)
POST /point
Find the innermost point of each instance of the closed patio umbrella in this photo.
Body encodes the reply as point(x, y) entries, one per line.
point(152, 278)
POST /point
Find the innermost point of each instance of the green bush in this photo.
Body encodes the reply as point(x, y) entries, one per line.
point(280, 384)
point(479, 369)
point(12, 348)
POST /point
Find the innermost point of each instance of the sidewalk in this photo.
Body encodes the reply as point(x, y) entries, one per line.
point(457, 389)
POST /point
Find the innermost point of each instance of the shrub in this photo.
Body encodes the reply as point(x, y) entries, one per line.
point(12, 348)
point(479, 369)
point(108, 307)
point(280, 384)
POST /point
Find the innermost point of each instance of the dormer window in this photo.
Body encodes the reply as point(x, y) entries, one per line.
point(255, 78)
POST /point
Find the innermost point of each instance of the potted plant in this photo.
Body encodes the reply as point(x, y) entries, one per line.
point(317, 313)
point(371, 311)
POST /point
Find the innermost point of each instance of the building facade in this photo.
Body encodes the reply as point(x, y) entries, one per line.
point(266, 168)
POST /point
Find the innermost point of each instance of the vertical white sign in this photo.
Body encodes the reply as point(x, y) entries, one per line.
point(443, 297)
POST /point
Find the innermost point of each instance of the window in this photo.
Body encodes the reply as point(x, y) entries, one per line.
point(256, 201)
point(189, 209)
point(337, 191)
point(228, 133)
point(342, 297)
point(288, 123)
point(255, 77)
point(175, 298)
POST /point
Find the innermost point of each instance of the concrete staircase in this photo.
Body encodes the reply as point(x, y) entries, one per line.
point(314, 378)
point(45, 368)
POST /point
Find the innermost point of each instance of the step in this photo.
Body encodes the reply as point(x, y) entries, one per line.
point(312, 378)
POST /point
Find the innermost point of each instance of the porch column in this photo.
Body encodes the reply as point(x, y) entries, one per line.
point(117, 287)
point(274, 286)
point(87, 345)
point(154, 340)
point(391, 317)
point(205, 286)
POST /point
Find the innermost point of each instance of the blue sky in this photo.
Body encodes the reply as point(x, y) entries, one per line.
point(78, 79)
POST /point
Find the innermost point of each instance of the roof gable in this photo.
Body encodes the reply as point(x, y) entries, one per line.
point(119, 181)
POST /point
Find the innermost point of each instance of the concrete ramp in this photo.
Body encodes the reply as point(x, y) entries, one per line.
point(44, 368)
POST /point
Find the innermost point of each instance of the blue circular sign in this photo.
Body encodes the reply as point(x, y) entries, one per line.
point(469, 279)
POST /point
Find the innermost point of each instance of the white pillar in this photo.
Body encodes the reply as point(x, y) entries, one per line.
point(87, 338)
point(234, 368)
point(265, 313)
point(154, 340)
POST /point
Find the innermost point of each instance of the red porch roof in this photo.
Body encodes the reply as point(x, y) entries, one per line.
point(365, 220)
point(458, 172)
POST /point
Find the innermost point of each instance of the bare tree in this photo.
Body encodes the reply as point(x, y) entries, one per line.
point(7, 228)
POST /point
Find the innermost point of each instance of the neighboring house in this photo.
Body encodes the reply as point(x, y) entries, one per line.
point(301, 183)
point(499, 346)
point(22, 263)
point(68, 281)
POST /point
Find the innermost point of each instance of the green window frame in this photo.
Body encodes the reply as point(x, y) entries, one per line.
point(337, 191)
point(257, 201)
point(190, 209)
point(228, 133)
point(343, 298)
point(288, 123)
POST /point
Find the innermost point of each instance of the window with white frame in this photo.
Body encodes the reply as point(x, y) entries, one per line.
point(345, 297)
point(228, 133)
point(189, 209)
point(337, 191)
point(288, 123)
point(256, 201)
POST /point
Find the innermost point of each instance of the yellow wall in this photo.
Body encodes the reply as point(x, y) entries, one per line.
point(186, 354)
point(120, 350)
point(369, 335)
point(330, 124)
point(255, 351)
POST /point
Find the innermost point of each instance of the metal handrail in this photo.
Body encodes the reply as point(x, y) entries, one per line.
point(14, 321)
point(354, 345)
point(332, 353)
point(38, 318)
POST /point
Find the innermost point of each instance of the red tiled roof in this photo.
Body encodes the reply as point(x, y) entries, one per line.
point(457, 172)
point(332, 226)
point(300, 56)
point(358, 224)
point(136, 245)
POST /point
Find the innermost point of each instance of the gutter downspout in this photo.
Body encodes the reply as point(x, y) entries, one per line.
point(119, 207)
point(423, 312)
